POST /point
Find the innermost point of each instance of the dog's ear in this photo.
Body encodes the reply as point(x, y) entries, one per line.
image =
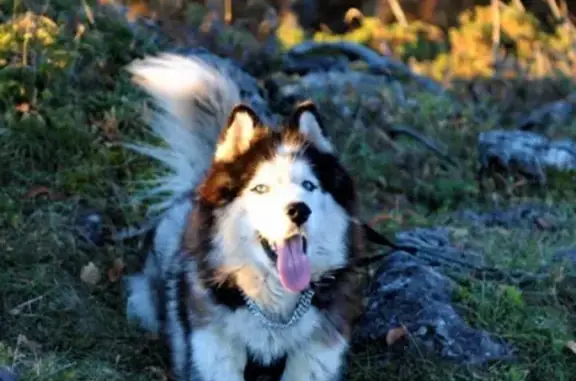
point(243, 126)
point(306, 120)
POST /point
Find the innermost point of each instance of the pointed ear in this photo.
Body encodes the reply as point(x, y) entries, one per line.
point(235, 139)
point(306, 120)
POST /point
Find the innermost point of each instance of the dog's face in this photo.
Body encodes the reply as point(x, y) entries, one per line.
point(281, 201)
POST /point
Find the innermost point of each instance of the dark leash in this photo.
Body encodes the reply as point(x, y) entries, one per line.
point(377, 238)
point(374, 237)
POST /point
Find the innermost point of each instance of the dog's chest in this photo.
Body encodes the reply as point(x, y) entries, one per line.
point(268, 344)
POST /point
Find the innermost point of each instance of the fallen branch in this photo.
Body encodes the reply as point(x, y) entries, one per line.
point(378, 64)
point(428, 142)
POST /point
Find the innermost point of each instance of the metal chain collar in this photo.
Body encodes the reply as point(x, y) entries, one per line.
point(304, 303)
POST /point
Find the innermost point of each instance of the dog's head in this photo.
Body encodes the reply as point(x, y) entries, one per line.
point(279, 201)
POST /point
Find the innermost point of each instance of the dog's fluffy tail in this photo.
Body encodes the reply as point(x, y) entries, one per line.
point(194, 100)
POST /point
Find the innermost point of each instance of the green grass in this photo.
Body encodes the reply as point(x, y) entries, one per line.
point(65, 103)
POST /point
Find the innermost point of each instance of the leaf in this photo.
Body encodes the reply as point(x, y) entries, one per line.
point(36, 191)
point(90, 274)
point(543, 224)
point(116, 271)
point(23, 107)
point(394, 335)
point(39, 190)
point(571, 344)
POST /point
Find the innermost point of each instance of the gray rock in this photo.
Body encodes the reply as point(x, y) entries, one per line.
point(560, 112)
point(566, 256)
point(410, 290)
point(524, 216)
point(530, 152)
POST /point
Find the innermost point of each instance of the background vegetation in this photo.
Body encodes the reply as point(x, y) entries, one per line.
point(66, 103)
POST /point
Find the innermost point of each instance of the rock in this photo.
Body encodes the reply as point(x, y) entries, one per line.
point(555, 113)
point(302, 65)
point(341, 89)
point(531, 153)
point(412, 291)
point(566, 256)
point(525, 215)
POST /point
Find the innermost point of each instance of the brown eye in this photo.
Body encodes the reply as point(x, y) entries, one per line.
point(308, 185)
point(260, 189)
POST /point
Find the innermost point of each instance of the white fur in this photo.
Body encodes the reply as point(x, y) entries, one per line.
point(219, 354)
point(140, 306)
point(316, 361)
point(237, 139)
point(311, 129)
point(238, 227)
point(195, 100)
point(219, 347)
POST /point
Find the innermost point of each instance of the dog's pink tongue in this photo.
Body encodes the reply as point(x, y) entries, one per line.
point(293, 265)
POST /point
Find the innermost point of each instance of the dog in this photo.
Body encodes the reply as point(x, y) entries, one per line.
point(249, 272)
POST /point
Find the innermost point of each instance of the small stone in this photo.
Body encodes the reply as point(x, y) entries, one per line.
point(90, 274)
point(532, 153)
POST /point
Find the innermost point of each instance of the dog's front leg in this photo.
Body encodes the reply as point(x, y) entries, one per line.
point(216, 357)
point(316, 361)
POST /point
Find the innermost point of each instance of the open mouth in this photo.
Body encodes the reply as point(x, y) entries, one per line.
point(291, 260)
point(271, 249)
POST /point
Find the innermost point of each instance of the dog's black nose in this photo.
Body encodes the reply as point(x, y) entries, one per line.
point(298, 212)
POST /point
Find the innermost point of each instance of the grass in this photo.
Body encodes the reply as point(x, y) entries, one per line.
point(66, 103)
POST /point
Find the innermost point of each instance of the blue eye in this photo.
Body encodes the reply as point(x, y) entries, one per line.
point(308, 185)
point(260, 189)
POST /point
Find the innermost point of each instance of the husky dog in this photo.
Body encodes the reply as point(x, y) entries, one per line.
point(249, 270)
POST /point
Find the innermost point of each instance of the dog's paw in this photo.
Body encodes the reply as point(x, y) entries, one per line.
point(141, 306)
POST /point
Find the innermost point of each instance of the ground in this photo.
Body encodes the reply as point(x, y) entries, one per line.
point(67, 103)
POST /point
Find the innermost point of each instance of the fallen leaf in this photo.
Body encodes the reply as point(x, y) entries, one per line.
point(115, 272)
point(394, 335)
point(23, 107)
point(37, 191)
point(543, 224)
point(90, 274)
point(571, 344)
